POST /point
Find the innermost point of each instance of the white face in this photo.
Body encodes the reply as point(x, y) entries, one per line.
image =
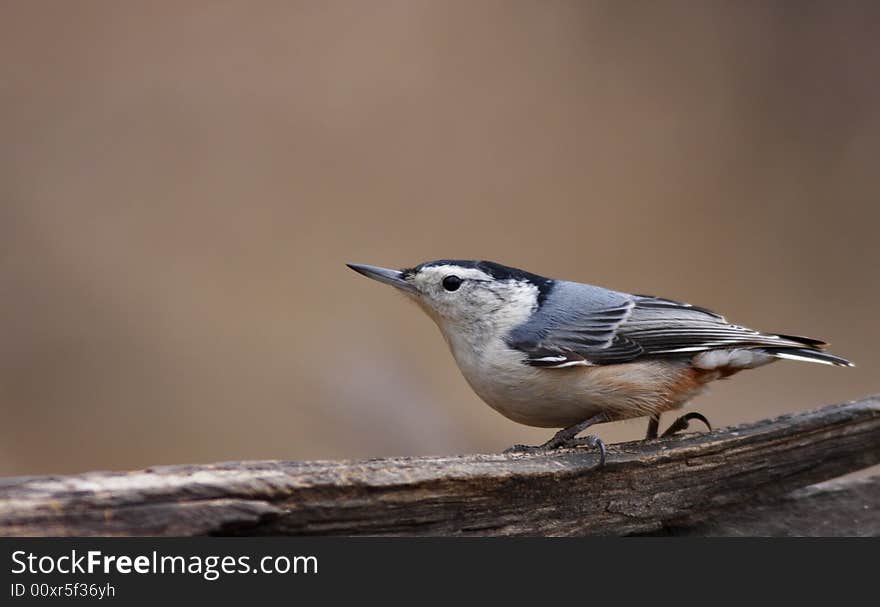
point(468, 299)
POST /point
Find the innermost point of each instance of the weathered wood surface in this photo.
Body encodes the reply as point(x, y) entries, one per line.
point(838, 508)
point(669, 485)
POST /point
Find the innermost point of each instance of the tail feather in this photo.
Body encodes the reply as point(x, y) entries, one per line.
point(808, 355)
point(812, 344)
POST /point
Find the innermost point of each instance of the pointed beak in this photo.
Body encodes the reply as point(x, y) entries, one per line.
point(389, 277)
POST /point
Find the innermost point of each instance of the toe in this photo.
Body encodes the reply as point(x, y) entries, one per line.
point(521, 449)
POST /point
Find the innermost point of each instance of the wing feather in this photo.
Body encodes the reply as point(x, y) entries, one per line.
point(618, 327)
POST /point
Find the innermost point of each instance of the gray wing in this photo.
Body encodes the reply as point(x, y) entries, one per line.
point(577, 323)
point(618, 327)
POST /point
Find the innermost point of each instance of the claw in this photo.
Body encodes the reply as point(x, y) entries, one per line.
point(592, 442)
point(682, 423)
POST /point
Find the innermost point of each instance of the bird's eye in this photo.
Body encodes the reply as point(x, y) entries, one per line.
point(451, 283)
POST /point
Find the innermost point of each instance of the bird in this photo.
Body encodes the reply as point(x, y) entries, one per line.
point(554, 353)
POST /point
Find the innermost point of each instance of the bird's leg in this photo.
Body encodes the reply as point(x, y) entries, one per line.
point(653, 427)
point(567, 438)
point(682, 423)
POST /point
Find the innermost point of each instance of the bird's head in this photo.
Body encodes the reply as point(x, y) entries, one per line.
point(464, 296)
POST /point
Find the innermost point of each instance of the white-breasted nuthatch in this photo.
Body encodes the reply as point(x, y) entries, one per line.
point(559, 354)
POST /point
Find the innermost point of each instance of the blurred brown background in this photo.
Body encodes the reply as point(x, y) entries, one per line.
point(181, 183)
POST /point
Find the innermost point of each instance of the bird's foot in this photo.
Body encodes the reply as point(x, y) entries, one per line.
point(683, 423)
point(590, 441)
point(567, 437)
point(593, 442)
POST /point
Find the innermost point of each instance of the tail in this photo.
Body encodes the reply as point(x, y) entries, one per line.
point(810, 354)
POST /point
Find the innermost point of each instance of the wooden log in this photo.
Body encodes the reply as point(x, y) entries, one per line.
point(645, 487)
